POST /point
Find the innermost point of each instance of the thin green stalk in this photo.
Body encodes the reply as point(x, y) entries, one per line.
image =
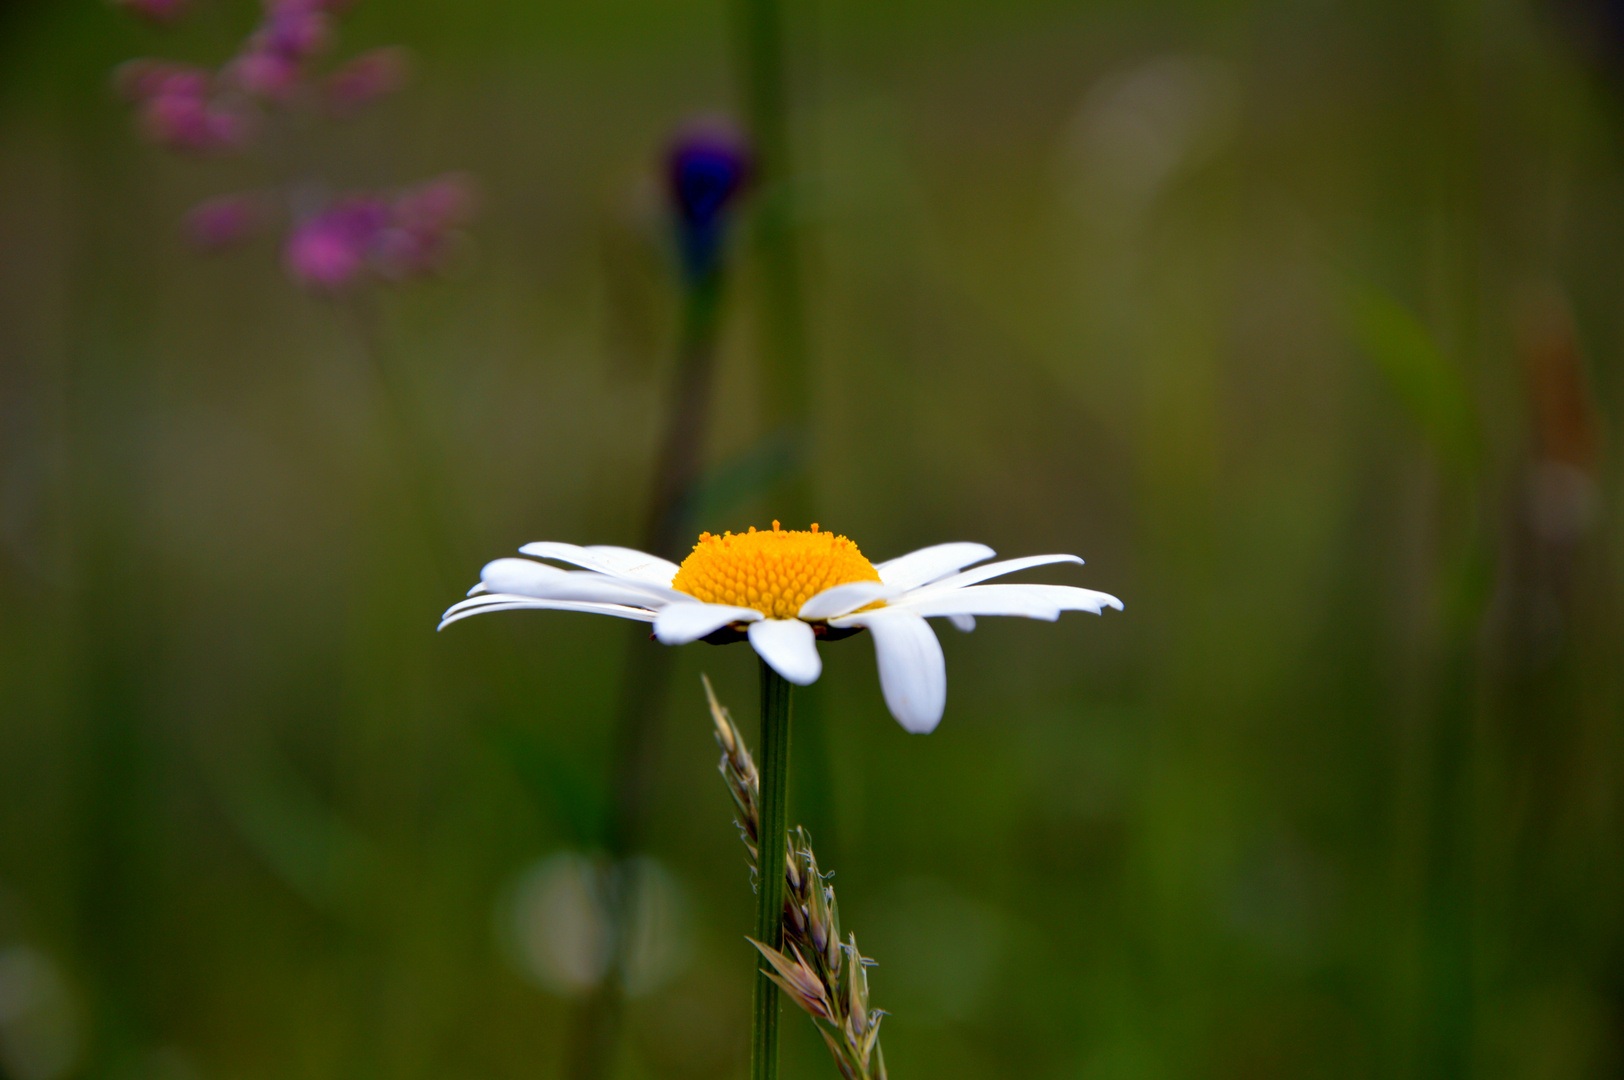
point(764, 90)
point(676, 471)
point(682, 451)
point(770, 860)
point(414, 462)
point(648, 668)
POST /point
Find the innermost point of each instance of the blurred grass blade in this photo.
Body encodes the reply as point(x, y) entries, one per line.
point(1430, 385)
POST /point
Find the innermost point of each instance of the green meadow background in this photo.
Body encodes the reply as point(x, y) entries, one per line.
point(1300, 320)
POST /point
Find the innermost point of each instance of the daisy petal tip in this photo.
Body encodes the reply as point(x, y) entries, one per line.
point(930, 564)
point(919, 723)
point(917, 717)
point(913, 674)
point(789, 648)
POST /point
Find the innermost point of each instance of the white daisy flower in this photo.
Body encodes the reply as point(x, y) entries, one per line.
point(784, 589)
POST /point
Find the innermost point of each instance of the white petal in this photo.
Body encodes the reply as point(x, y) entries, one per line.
point(607, 559)
point(484, 600)
point(913, 675)
point(1030, 601)
point(789, 647)
point(997, 569)
point(928, 564)
point(479, 605)
point(963, 623)
point(678, 624)
point(840, 599)
point(526, 577)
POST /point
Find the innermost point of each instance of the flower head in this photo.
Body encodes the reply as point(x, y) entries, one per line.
point(782, 590)
point(774, 572)
point(708, 164)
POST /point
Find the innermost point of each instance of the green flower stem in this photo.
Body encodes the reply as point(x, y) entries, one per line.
point(771, 843)
point(678, 467)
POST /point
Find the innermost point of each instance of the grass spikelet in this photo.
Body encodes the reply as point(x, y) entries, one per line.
point(826, 977)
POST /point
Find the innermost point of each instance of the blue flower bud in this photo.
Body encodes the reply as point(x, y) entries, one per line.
point(707, 167)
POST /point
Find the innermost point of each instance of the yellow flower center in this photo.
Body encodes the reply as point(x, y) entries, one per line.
point(774, 572)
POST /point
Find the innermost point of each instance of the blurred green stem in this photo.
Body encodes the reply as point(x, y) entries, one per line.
point(647, 670)
point(682, 451)
point(770, 857)
point(765, 93)
point(675, 474)
point(413, 459)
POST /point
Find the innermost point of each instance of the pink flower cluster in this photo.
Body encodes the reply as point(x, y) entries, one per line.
point(193, 109)
point(183, 107)
point(408, 235)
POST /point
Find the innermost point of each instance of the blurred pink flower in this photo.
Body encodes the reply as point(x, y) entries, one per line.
point(443, 202)
point(419, 238)
point(226, 221)
point(272, 63)
point(330, 250)
point(189, 108)
point(366, 78)
point(296, 29)
point(266, 74)
point(179, 110)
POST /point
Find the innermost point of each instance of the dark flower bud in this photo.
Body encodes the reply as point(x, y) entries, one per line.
point(708, 166)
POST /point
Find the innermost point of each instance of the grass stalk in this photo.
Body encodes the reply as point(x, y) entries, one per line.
point(823, 975)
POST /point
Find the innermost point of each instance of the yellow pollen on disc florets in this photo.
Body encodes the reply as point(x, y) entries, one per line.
point(774, 572)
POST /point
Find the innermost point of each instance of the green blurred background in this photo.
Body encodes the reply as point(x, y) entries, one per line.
point(1299, 320)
